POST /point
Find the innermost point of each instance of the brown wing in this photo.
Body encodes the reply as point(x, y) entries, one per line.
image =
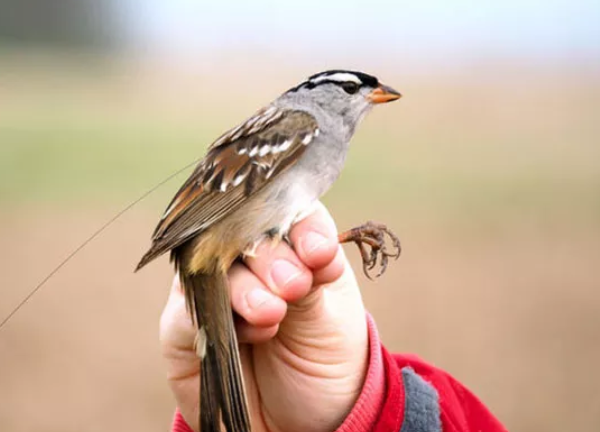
point(237, 165)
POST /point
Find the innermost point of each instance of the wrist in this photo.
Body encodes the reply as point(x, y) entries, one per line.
point(370, 401)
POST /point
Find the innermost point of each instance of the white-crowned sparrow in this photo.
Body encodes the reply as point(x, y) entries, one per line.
point(255, 182)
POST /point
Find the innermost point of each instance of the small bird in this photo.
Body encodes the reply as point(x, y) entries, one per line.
point(255, 182)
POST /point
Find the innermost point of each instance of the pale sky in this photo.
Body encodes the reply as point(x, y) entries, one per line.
point(426, 27)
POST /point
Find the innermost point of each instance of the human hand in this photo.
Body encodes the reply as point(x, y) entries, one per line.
point(302, 331)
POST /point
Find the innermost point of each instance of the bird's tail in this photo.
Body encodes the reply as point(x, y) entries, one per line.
point(222, 392)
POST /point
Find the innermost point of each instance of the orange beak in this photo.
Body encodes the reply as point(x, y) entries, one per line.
point(383, 94)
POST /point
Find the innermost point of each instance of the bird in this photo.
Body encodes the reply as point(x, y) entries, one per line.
point(254, 182)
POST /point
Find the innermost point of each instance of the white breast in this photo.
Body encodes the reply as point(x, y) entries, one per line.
point(295, 199)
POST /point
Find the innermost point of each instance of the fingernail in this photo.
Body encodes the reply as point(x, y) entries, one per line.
point(313, 241)
point(283, 272)
point(257, 297)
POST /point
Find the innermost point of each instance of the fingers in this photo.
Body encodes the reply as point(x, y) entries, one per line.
point(261, 312)
point(252, 300)
point(276, 275)
point(250, 334)
point(315, 238)
point(280, 270)
point(315, 241)
point(288, 272)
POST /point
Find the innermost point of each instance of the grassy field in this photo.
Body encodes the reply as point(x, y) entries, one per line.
point(490, 176)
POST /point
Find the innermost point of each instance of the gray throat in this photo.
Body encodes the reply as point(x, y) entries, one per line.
point(324, 158)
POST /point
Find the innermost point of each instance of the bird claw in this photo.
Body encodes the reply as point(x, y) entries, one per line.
point(373, 235)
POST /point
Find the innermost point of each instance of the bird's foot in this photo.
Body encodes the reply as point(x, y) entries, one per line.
point(372, 234)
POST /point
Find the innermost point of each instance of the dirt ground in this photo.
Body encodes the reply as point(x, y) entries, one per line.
point(513, 313)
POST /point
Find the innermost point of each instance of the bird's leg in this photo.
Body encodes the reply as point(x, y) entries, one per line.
point(372, 234)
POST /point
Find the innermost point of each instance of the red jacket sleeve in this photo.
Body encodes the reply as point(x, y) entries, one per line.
point(389, 403)
point(460, 410)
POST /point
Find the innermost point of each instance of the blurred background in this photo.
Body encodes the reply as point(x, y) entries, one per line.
point(488, 169)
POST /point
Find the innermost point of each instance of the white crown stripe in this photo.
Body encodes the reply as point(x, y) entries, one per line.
point(338, 77)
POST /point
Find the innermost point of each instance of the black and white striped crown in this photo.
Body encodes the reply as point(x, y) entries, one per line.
point(339, 77)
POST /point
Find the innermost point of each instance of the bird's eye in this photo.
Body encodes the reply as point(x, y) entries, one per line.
point(350, 87)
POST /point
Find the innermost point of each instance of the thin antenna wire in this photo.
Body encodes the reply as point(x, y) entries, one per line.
point(89, 240)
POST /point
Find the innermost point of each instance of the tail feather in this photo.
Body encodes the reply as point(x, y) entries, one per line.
point(222, 392)
point(236, 381)
point(209, 418)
